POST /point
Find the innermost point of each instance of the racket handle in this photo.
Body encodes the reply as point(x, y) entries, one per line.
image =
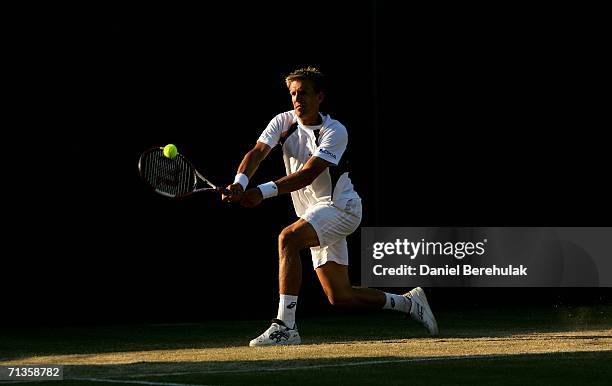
point(223, 191)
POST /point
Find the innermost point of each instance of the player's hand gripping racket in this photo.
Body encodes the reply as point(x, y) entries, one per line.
point(173, 177)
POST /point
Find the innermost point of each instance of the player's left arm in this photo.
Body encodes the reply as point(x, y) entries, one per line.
point(328, 153)
point(303, 177)
point(294, 181)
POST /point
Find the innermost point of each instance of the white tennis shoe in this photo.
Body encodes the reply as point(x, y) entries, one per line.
point(277, 335)
point(420, 310)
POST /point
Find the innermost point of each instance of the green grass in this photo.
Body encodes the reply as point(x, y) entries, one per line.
point(559, 368)
point(20, 342)
point(544, 369)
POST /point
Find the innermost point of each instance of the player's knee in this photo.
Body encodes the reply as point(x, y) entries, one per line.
point(288, 240)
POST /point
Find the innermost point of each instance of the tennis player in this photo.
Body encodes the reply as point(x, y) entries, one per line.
point(328, 207)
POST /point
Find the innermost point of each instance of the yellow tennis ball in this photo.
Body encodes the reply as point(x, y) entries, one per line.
point(170, 150)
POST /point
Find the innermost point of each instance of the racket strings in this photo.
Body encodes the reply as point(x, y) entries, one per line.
point(170, 176)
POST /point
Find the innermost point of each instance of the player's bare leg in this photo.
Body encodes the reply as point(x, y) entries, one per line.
point(292, 239)
point(334, 279)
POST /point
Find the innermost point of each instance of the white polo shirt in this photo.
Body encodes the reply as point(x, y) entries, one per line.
point(300, 146)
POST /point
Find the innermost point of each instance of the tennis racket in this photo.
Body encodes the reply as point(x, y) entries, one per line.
point(173, 177)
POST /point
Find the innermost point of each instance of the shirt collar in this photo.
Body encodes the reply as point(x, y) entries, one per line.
point(312, 127)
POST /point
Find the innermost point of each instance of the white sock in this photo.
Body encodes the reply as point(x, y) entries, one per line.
point(286, 309)
point(397, 303)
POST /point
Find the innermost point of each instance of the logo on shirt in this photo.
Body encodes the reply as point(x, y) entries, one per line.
point(327, 152)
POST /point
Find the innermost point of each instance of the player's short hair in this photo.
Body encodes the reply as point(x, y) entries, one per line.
point(310, 73)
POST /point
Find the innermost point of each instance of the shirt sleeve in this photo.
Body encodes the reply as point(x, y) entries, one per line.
point(271, 135)
point(333, 145)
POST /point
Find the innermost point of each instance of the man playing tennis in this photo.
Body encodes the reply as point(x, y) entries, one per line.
point(328, 207)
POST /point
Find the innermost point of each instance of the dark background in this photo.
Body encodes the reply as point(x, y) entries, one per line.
point(456, 116)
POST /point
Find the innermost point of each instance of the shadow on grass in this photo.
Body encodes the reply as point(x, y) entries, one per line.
point(558, 368)
point(18, 343)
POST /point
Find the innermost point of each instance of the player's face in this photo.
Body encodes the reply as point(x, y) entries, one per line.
point(305, 101)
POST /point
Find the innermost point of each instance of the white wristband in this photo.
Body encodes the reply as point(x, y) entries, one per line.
point(241, 179)
point(269, 189)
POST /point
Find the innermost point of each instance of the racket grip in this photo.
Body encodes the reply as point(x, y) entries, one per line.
point(223, 191)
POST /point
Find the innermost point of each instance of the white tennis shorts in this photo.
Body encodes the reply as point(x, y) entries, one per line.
point(332, 225)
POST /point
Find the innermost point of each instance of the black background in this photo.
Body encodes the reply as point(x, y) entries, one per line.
point(456, 116)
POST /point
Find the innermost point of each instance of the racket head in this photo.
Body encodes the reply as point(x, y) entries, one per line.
point(170, 177)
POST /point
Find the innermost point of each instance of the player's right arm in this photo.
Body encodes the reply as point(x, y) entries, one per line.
point(248, 166)
point(269, 138)
point(253, 158)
